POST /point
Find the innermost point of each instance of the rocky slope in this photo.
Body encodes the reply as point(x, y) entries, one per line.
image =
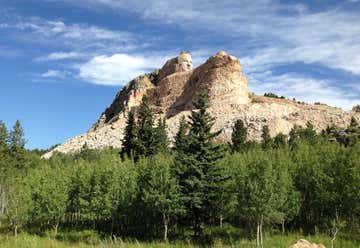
point(172, 88)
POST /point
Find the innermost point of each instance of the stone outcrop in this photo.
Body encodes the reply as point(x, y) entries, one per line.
point(172, 89)
point(302, 243)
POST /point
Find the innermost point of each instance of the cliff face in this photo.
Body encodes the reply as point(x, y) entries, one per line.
point(172, 88)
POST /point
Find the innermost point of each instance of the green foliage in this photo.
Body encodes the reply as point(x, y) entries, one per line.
point(16, 136)
point(141, 138)
point(200, 178)
point(272, 95)
point(353, 122)
point(128, 142)
point(308, 184)
point(356, 108)
point(267, 141)
point(280, 141)
point(238, 136)
point(181, 138)
point(161, 190)
point(3, 135)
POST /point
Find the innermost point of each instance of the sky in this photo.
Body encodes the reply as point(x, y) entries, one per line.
point(63, 61)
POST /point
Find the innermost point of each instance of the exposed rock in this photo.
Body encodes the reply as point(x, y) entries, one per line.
point(302, 243)
point(172, 89)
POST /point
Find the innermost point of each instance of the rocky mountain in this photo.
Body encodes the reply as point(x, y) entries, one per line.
point(172, 88)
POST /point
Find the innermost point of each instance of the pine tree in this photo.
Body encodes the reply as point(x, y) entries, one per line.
point(353, 122)
point(266, 138)
point(238, 137)
point(280, 141)
point(145, 135)
point(199, 176)
point(128, 142)
point(181, 138)
point(3, 134)
point(161, 142)
point(17, 139)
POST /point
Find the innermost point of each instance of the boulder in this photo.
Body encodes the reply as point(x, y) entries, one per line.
point(303, 243)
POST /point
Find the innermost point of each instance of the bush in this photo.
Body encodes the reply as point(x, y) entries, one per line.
point(356, 108)
point(90, 237)
point(272, 95)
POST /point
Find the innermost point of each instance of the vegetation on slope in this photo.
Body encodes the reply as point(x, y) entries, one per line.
point(306, 183)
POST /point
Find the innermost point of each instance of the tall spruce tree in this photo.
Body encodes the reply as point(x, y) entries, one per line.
point(181, 138)
point(353, 122)
point(161, 142)
point(145, 135)
point(280, 141)
point(266, 138)
point(128, 142)
point(3, 134)
point(238, 137)
point(199, 176)
point(17, 139)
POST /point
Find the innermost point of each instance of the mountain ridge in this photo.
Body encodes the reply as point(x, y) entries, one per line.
point(172, 88)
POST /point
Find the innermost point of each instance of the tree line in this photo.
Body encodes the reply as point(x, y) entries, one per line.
point(148, 190)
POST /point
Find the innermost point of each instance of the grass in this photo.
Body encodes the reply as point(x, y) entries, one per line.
point(25, 240)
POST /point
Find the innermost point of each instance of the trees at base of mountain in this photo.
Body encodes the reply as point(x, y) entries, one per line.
point(303, 181)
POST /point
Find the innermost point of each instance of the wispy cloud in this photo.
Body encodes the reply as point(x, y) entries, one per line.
point(54, 74)
point(304, 88)
point(286, 32)
point(79, 38)
point(118, 69)
point(59, 56)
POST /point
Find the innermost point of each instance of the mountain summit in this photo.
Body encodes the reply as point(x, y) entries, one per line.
point(172, 88)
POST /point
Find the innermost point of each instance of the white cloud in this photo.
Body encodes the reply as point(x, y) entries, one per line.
point(54, 74)
point(286, 32)
point(59, 56)
point(304, 88)
point(118, 69)
point(80, 38)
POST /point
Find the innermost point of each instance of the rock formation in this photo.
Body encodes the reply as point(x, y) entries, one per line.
point(172, 88)
point(302, 243)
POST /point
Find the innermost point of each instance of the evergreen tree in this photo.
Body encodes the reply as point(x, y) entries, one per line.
point(308, 133)
point(353, 122)
point(3, 134)
point(128, 142)
point(181, 138)
point(280, 141)
point(266, 138)
point(17, 139)
point(238, 136)
point(161, 142)
point(199, 177)
point(145, 135)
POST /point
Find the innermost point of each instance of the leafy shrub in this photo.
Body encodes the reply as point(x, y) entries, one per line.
point(87, 236)
point(272, 95)
point(356, 108)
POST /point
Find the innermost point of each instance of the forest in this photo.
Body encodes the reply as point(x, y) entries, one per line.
point(194, 190)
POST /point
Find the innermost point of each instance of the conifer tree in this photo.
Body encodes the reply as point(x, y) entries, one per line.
point(145, 135)
point(280, 141)
point(199, 176)
point(353, 122)
point(266, 138)
point(238, 137)
point(17, 139)
point(128, 142)
point(161, 141)
point(3, 134)
point(181, 138)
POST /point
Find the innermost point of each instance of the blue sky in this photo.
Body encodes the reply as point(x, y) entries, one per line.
point(63, 61)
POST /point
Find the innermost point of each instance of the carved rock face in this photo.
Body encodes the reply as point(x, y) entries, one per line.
point(185, 62)
point(172, 89)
